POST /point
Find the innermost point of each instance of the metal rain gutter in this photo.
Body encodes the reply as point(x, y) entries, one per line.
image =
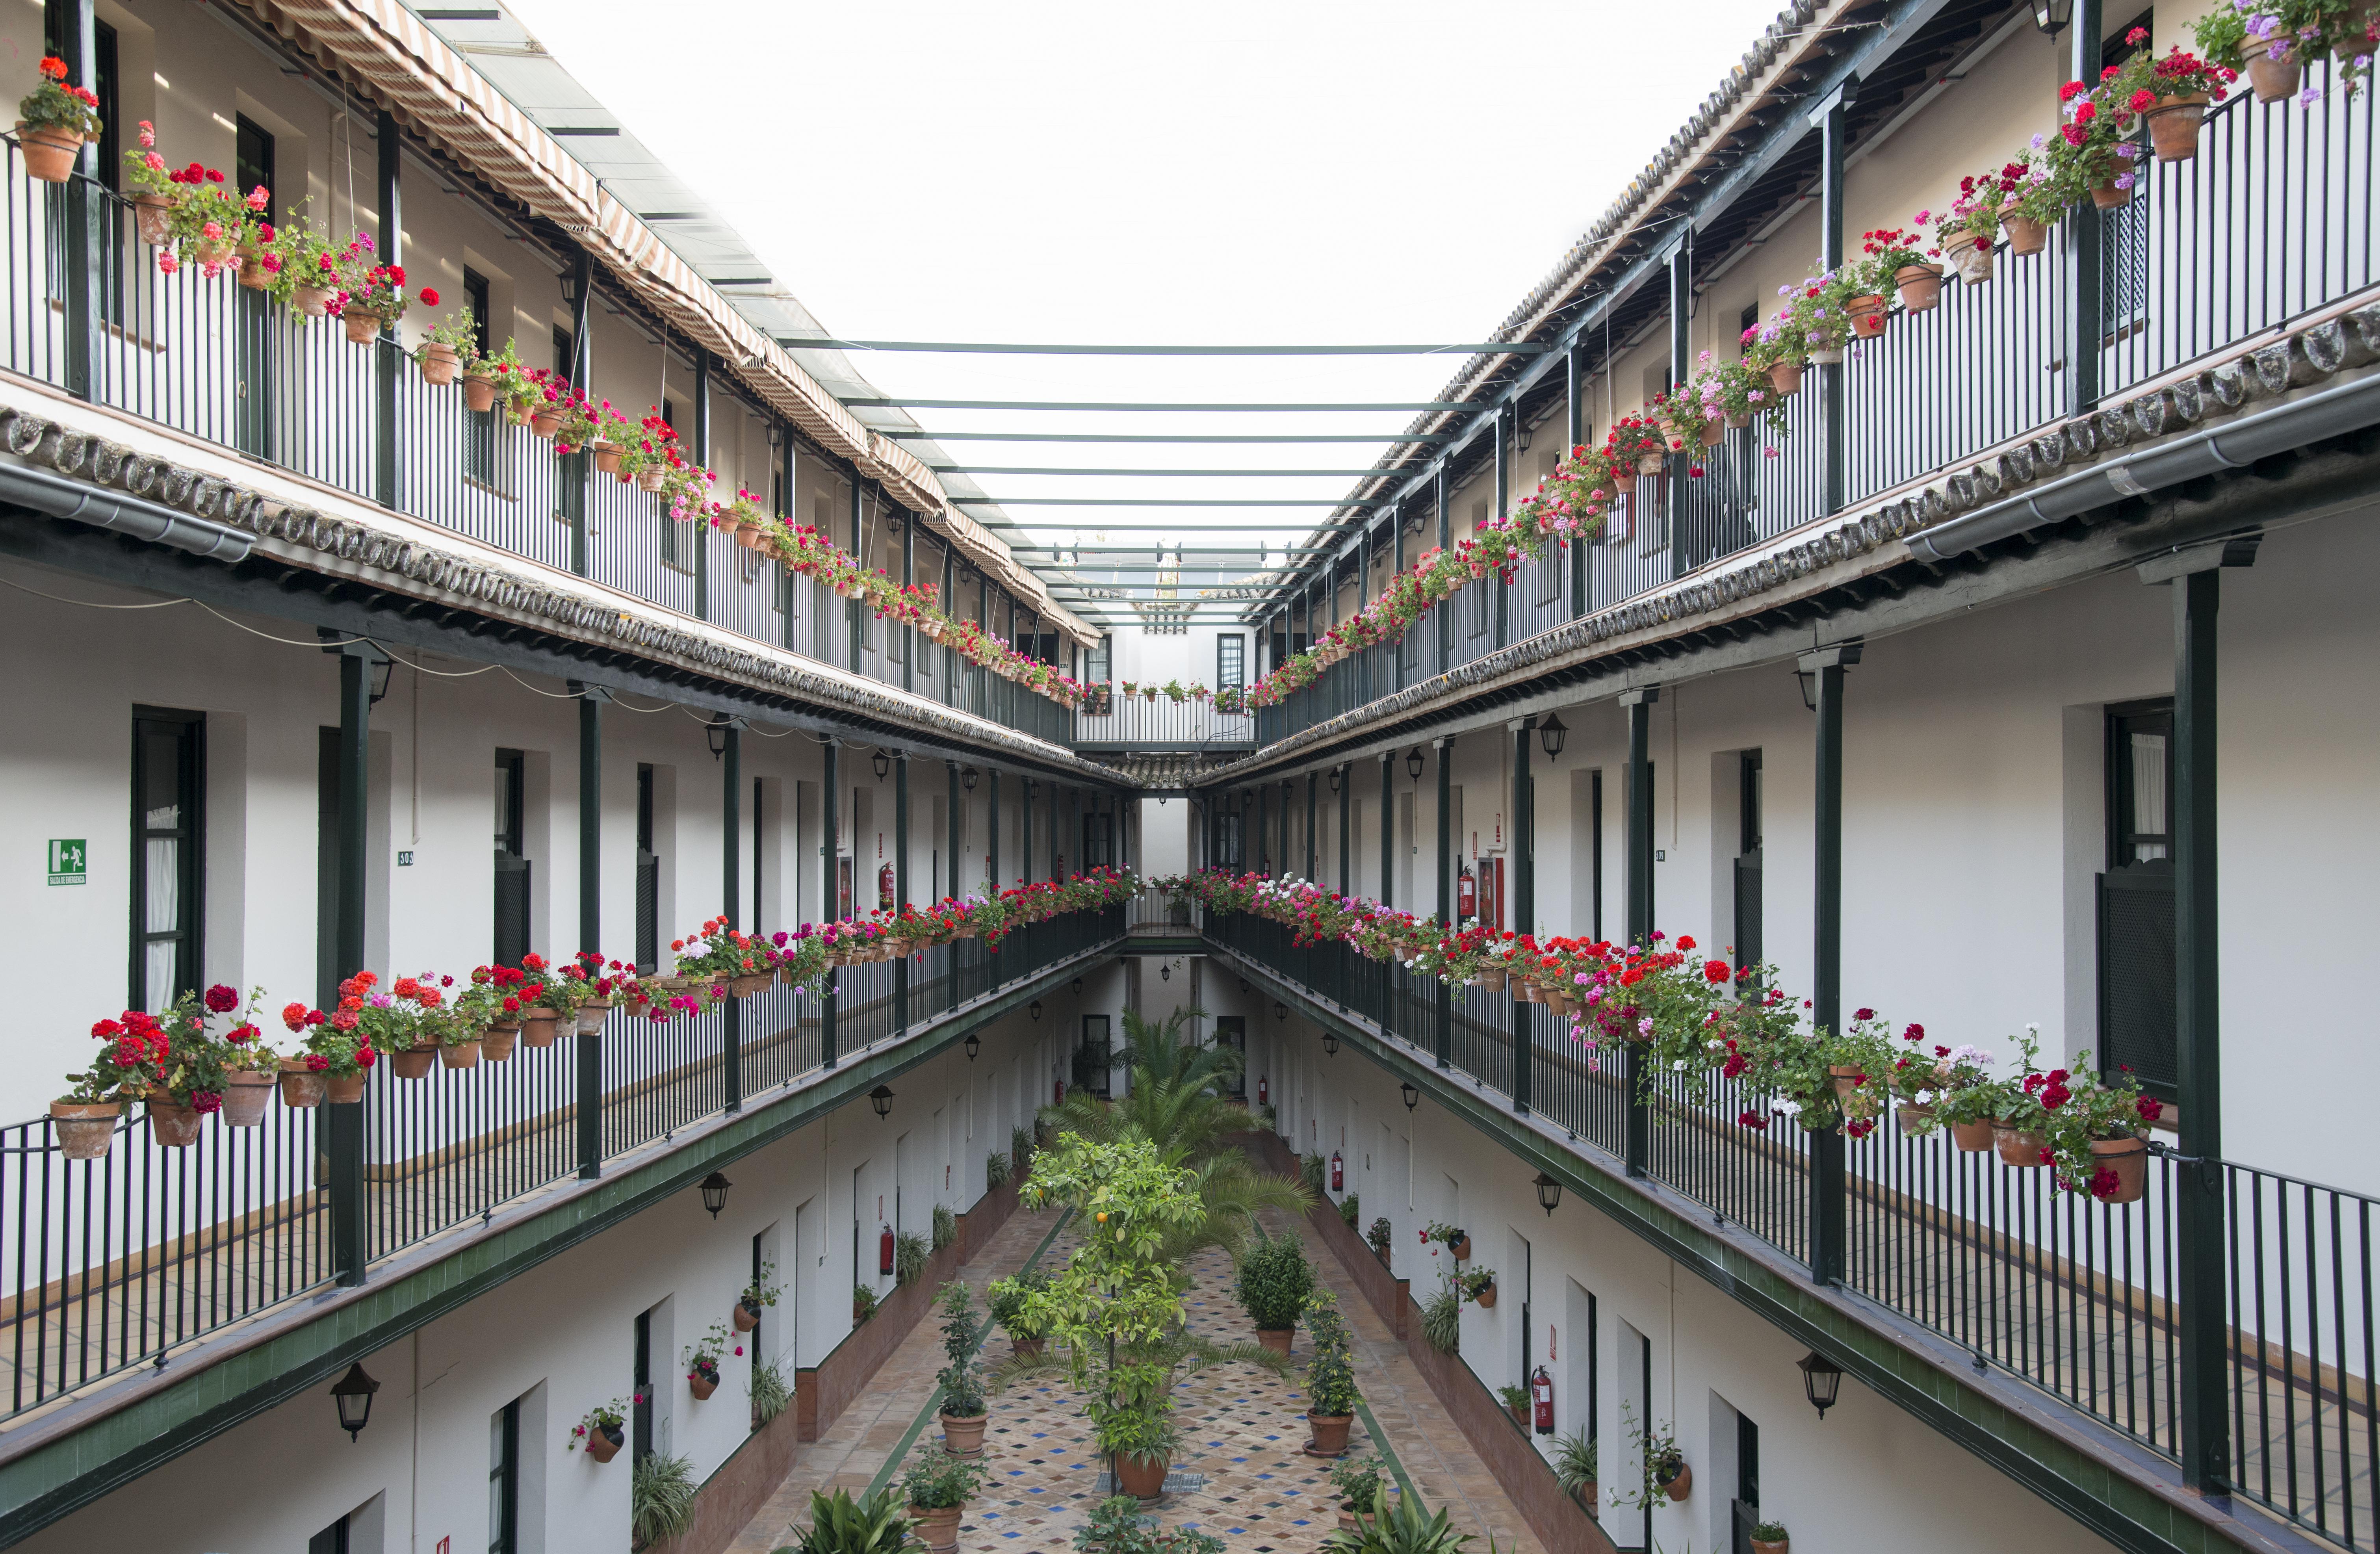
point(2333, 412)
point(55, 494)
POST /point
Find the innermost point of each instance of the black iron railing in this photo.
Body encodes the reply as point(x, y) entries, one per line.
point(1139, 721)
point(109, 1264)
point(2077, 1297)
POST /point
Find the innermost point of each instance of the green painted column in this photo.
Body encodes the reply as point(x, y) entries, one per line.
point(588, 1058)
point(829, 908)
point(1828, 1261)
point(731, 829)
point(1447, 916)
point(1525, 909)
point(1638, 705)
point(343, 1124)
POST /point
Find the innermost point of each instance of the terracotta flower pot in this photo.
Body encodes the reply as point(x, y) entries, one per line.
point(2129, 1158)
point(963, 1436)
point(2026, 236)
point(171, 1122)
point(362, 328)
point(746, 1317)
point(1486, 1297)
point(520, 413)
point(745, 987)
point(152, 218)
point(536, 1026)
point(1586, 1494)
point(2018, 1147)
point(1785, 377)
point(413, 1063)
point(2274, 81)
point(301, 1086)
point(1973, 1138)
point(254, 275)
point(648, 480)
point(1970, 256)
point(1714, 432)
point(701, 1386)
point(604, 1444)
point(479, 393)
point(1868, 316)
point(440, 364)
point(1276, 1340)
point(545, 420)
point(1347, 1522)
point(1329, 1433)
point(1738, 420)
point(49, 153)
point(1920, 286)
point(1782, 1546)
point(245, 1092)
point(607, 455)
point(344, 1091)
point(496, 1043)
point(1527, 992)
point(84, 1128)
point(2173, 127)
point(1461, 1247)
point(1678, 1489)
point(2356, 23)
point(1028, 1348)
point(1914, 1117)
point(1857, 1100)
point(459, 1055)
point(937, 1526)
point(1831, 357)
point(312, 302)
point(1491, 980)
point(2107, 197)
point(591, 1015)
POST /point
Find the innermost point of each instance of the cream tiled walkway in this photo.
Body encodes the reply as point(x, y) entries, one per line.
point(1244, 1432)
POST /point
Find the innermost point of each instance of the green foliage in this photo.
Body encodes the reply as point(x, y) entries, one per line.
point(875, 1524)
point(1117, 1526)
point(1330, 1374)
point(1309, 1171)
point(946, 1227)
point(1140, 1428)
point(1119, 1284)
point(1357, 1481)
point(1275, 1281)
point(660, 1497)
point(909, 1254)
point(1575, 1461)
point(863, 1303)
point(997, 1169)
point(1379, 1235)
point(1020, 1148)
point(1771, 1532)
point(1474, 1282)
point(771, 1396)
point(938, 1481)
point(1348, 1209)
point(1402, 1528)
point(1011, 1297)
point(1513, 1396)
point(1657, 1450)
point(962, 1379)
point(1441, 1320)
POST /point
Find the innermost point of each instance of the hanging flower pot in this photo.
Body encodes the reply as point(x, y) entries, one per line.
point(746, 1315)
point(1714, 432)
point(1920, 286)
point(1527, 992)
point(2129, 1158)
point(344, 1091)
point(2354, 26)
point(1491, 980)
point(1868, 316)
point(2107, 197)
point(49, 153)
point(254, 275)
point(362, 328)
point(1487, 1296)
point(545, 420)
point(459, 1055)
point(172, 1124)
point(1651, 464)
point(2019, 1147)
point(1461, 1247)
point(2274, 81)
point(1913, 1116)
point(152, 218)
point(607, 455)
point(603, 1443)
point(702, 1384)
point(300, 1086)
point(520, 413)
point(312, 302)
point(1973, 1138)
point(591, 1015)
point(745, 987)
point(440, 364)
point(414, 1062)
point(1970, 256)
point(2026, 236)
point(84, 1128)
point(1678, 1482)
point(648, 480)
point(1738, 420)
point(479, 392)
point(244, 1094)
point(496, 1043)
point(2173, 127)
point(536, 1026)
point(1329, 1433)
point(1785, 377)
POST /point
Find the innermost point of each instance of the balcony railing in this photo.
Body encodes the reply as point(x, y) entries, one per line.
point(111, 1263)
point(2272, 220)
point(2078, 1297)
point(1117, 722)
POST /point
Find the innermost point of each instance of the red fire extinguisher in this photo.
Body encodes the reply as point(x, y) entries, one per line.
point(1541, 1401)
point(1466, 894)
point(884, 889)
point(1264, 1091)
point(1059, 1095)
point(884, 1251)
point(1338, 1172)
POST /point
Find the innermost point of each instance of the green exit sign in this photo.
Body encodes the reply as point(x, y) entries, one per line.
point(68, 860)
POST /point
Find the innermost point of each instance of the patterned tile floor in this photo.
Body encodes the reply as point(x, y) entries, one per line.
point(1244, 1433)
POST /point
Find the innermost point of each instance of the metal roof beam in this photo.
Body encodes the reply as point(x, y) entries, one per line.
point(950, 347)
point(1162, 437)
point(1042, 469)
point(1158, 502)
point(889, 403)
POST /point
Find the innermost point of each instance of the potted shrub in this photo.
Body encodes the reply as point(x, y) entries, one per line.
point(756, 1295)
point(964, 1412)
point(1478, 1284)
point(1012, 1308)
point(1329, 1378)
point(1357, 1484)
point(1515, 1399)
point(1770, 1537)
point(874, 1524)
point(598, 1432)
point(1275, 1283)
point(1575, 1457)
point(53, 121)
point(442, 349)
point(1140, 1438)
point(702, 1356)
point(1378, 1237)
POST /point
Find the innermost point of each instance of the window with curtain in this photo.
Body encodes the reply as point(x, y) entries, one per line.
point(167, 839)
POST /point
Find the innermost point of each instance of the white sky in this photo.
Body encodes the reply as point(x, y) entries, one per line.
point(1235, 173)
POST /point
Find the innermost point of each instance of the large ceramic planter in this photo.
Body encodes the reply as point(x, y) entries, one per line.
point(2173, 127)
point(172, 1124)
point(1141, 1478)
point(440, 364)
point(459, 1055)
point(1329, 1433)
point(2018, 1147)
point(963, 1435)
point(937, 1526)
point(245, 1094)
point(348, 1091)
point(49, 153)
point(604, 1444)
point(1276, 1340)
point(536, 1026)
point(1920, 286)
point(2129, 1158)
point(84, 1128)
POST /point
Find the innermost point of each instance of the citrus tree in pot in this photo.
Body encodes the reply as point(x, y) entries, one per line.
point(938, 1486)
point(964, 1413)
point(1275, 1283)
point(1329, 1377)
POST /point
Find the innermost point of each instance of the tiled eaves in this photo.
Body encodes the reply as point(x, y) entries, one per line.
point(1809, 561)
point(514, 590)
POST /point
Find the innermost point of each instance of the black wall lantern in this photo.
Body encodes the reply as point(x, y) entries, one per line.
point(1244, 984)
point(966, 778)
point(1330, 1044)
point(974, 1045)
point(1551, 733)
point(1822, 1380)
point(2051, 16)
point(1548, 1193)
point(882, 763)
point(1334, 779)
point(1280, 1009)
point(1078, 986)
point(1413, 762)
point(1808, 680)
point(354, 1396)
point(1412, 1095)
point(715, 731)
point(714, 1193)
point(881, 1097)
point(1034, 1009)
point(1165, 971)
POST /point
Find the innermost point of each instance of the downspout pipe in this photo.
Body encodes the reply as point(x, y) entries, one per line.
point(45, 491)
point(2333, 412)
